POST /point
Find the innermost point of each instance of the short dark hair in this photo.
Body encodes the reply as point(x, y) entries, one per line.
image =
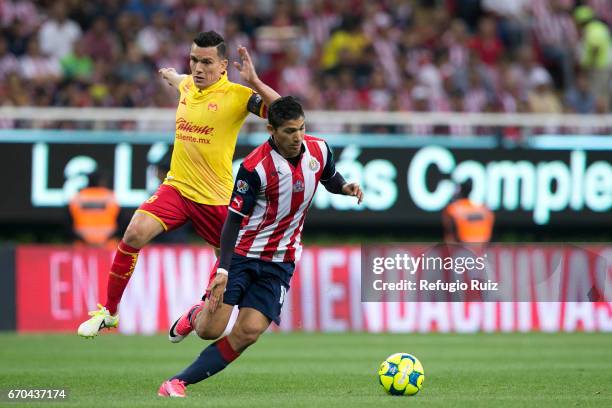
point(211, 39)
point(284, 109)
point(465, 189)
point(98, 178)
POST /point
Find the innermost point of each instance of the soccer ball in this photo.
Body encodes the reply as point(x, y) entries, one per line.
point(401, 374)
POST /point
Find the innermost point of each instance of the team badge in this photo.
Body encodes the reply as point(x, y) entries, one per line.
point(213, 107)
point(314, 165)
point(242, 186)
point(236, 203)
point(298, 186)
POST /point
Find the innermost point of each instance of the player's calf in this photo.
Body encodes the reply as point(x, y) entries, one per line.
point(210, 326)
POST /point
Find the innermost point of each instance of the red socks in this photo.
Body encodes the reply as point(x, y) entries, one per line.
point(225, 349)
point(121, 270)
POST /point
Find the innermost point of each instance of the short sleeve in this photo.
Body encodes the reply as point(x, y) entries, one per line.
point(246, 189)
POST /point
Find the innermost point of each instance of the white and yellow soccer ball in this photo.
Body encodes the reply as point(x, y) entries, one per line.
point(401, 374)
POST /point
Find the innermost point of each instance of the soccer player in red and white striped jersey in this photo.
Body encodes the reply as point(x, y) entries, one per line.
point(260, 240)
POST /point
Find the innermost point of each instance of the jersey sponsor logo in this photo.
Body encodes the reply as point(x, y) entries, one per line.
point(314, 164)
point(186, 126)
point(298, 186)
point(242, 186)
point(213, 107)
point(236, 203)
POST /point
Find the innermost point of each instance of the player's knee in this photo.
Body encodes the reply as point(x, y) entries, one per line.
point(246, 335)
point(136, 235)
point(208, 333)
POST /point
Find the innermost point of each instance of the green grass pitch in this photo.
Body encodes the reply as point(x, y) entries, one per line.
point(318, 370)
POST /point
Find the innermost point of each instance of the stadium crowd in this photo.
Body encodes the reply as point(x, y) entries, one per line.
point(543, 56)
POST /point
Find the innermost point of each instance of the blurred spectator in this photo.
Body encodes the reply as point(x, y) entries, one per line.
point(133, 67)
point(295, 77)
point(234, 38)
point(542, 98)
point(510, 93)
point(457, 105)
point(485, 43)
point(579, 98)
point(39, 68)
point(556, 38)
point(346, 46)
point(456, 39)
point(15, 91)
point(379, 96)
point(385, 44)
point(320, 20)
point(58, 34)
point(477, 95)
point(22, 12)
point(8, 61)
point(420, 103)
point(150, 37)
point(94, 212)
point(523, 66)
point(602, 9)
point(466, 221)
point(469, 11)
point(127, 26)
point(249, 18)
point(347, 96)
point(100, 42)
point(512, 19)
point(596, 44)
point(77, 64)
point(18, 38)
point(207, 15)
point(474, 73)
point(146, 8)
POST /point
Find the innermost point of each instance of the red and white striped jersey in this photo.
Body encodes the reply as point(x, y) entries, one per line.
point(273, 195)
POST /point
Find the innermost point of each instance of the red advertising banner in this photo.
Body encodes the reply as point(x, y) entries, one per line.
point(56, 286)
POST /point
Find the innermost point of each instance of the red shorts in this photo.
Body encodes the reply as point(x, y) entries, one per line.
point(172, 210)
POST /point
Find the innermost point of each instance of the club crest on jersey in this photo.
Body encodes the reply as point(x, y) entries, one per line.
point(242, 186)
point(314, 164)
point(213, 107)
point(236, 203)
point(298, 186)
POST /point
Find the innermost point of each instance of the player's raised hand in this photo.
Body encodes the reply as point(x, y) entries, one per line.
point(216, 289)
point(246, 69)
point(353, 189)
point(167, 73)
point(171, 76)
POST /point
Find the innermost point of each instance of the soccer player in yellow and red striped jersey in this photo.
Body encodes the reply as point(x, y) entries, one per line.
point(198, 187)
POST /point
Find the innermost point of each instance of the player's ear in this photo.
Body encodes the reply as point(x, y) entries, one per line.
point(270, 128)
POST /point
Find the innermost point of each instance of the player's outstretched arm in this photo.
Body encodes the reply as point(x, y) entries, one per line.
point(229, 235)
point(246, 188)
point(172, 77)
point(247, 72)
